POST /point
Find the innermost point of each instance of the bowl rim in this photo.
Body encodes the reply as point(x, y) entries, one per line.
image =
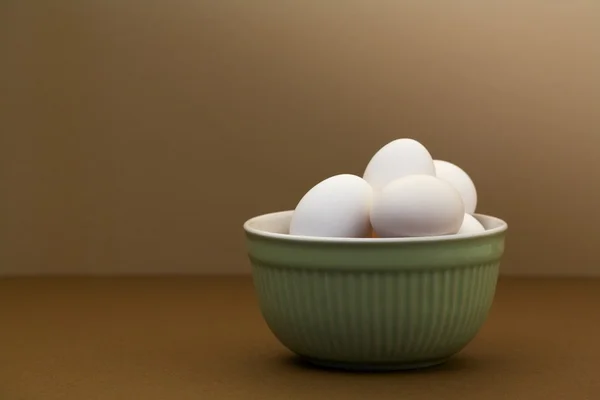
point(502, 227)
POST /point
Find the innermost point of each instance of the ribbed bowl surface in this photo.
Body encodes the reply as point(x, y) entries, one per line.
point(375, 304)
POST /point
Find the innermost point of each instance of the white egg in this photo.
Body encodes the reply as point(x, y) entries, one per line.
point(336, 207)
point(417, 205)
point(461, 181)
point(470, 225)
point(397, 159)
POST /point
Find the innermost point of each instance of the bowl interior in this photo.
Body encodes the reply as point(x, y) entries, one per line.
point(277, 225)
point(278, 222)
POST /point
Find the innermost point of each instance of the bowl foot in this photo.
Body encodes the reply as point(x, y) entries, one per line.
point(375, 367)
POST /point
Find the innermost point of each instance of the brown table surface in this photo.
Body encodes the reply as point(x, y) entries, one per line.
point(203, 338)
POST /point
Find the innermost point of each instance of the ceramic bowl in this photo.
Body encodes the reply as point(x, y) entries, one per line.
point(374, 304)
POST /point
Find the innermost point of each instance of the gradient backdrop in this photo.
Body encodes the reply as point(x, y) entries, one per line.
point(137, 136)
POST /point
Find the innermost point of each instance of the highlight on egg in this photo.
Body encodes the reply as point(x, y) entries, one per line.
point(417, 205)
point(338, 206)
point(461, 181)
point(397, 159)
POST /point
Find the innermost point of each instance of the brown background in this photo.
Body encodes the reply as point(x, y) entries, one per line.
point(137, 136)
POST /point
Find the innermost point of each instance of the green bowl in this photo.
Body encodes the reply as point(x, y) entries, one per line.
point(374, 304)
